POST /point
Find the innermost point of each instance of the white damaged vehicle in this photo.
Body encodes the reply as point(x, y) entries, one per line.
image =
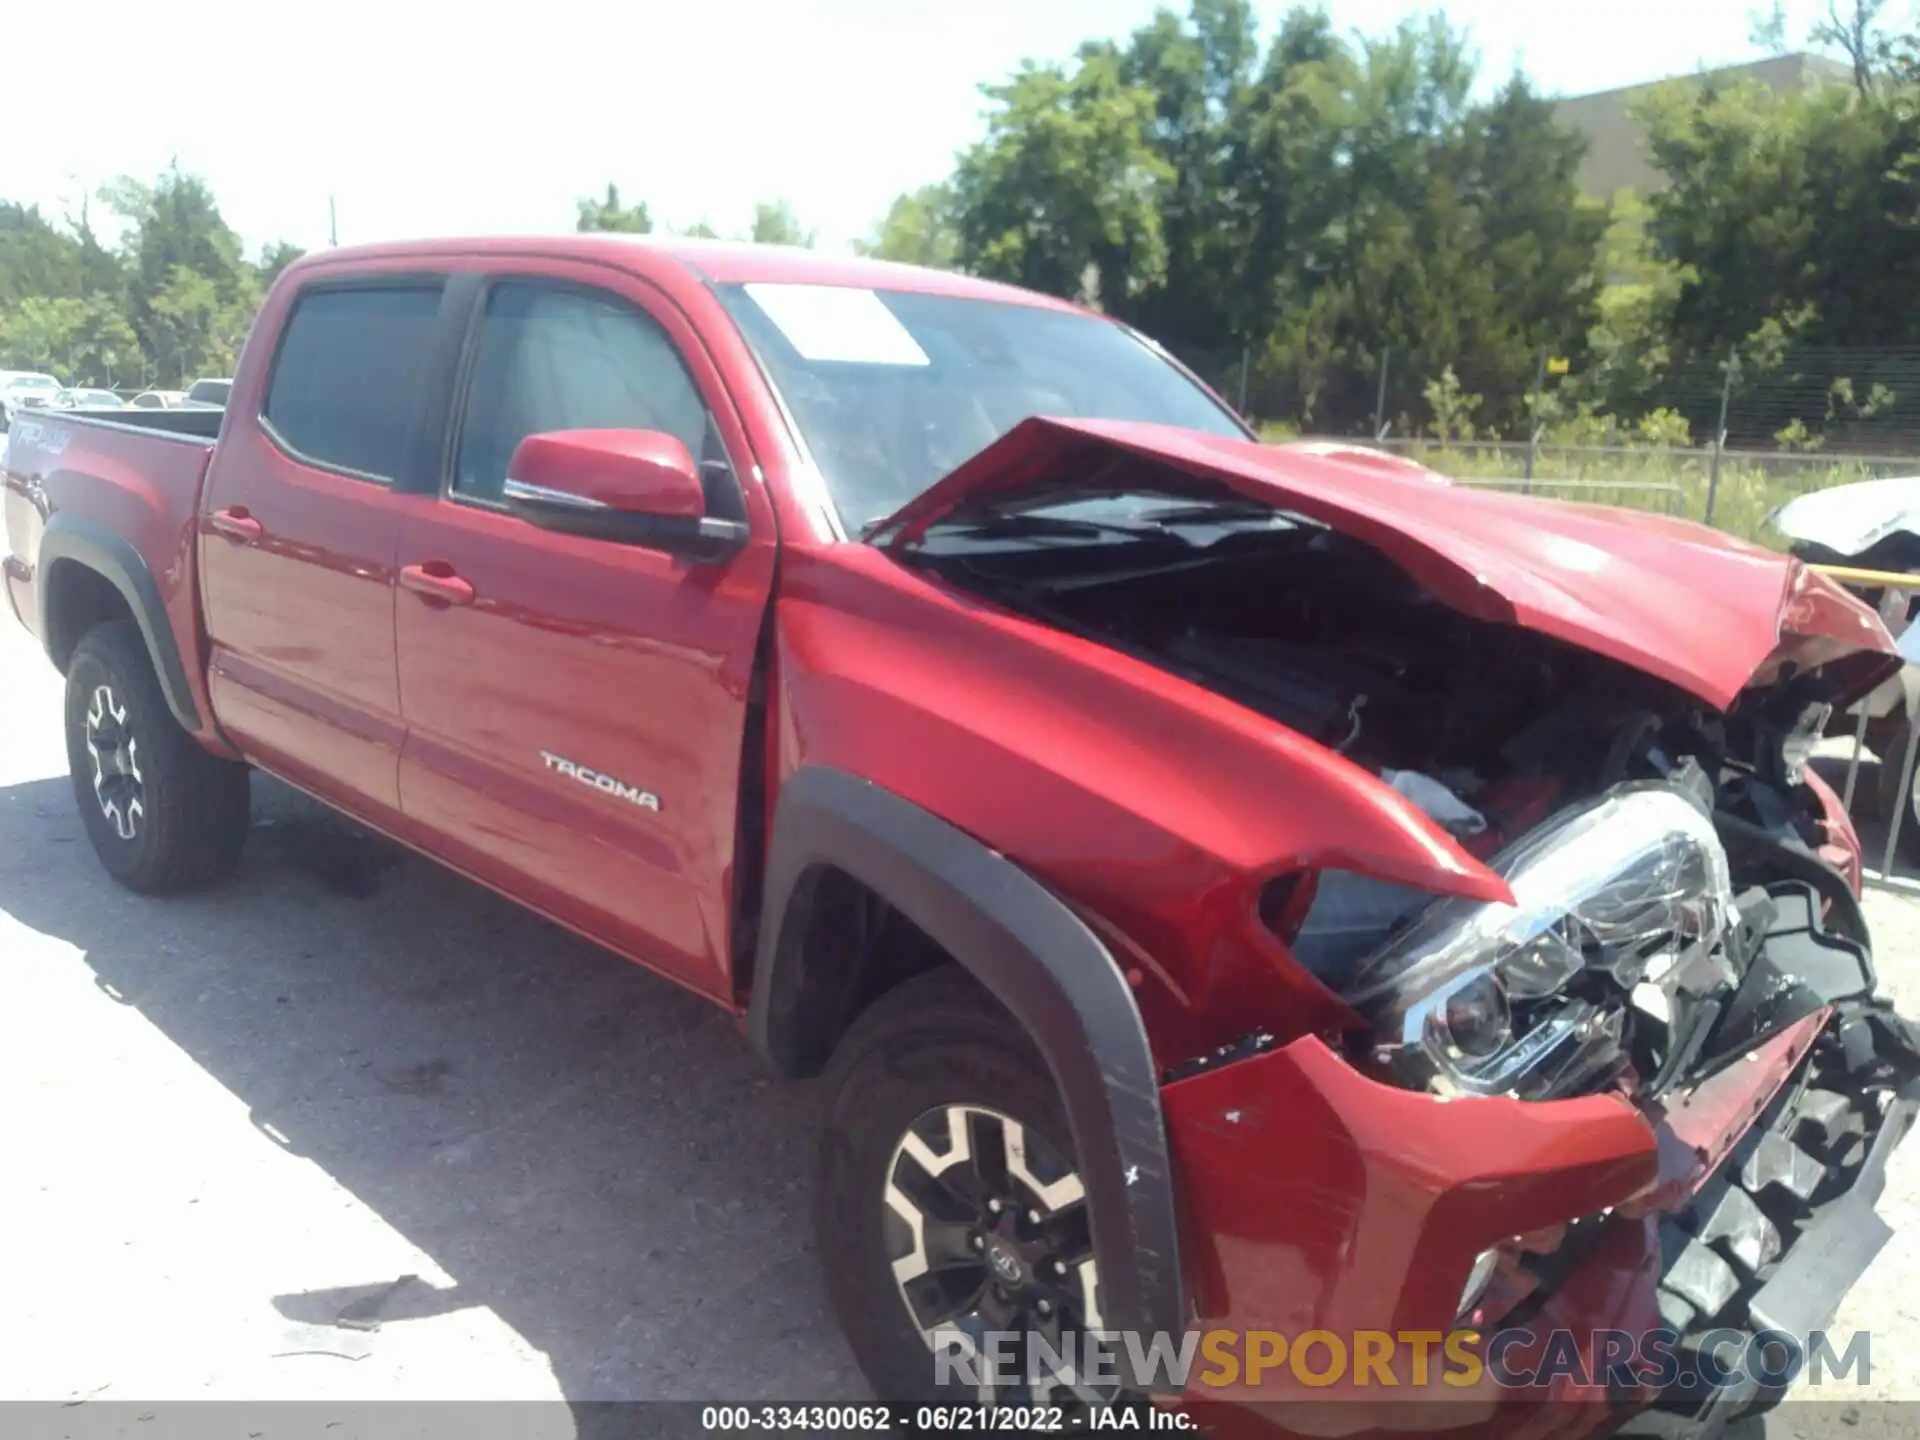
point(1873, 525)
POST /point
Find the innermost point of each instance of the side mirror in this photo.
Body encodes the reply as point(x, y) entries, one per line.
point(632, 487)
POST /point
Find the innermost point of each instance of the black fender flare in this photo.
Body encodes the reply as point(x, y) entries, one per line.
point(1036, 957)
point(69, 539)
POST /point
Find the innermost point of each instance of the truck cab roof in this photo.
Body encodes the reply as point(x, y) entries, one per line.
point(722, 262)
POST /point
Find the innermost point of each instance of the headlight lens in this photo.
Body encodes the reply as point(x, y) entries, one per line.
point(1530, 999)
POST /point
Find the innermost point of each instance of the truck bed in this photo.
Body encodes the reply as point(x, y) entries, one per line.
point(123, 495)
point(204, 424)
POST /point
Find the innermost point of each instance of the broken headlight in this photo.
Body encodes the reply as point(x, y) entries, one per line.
point(1533, 998)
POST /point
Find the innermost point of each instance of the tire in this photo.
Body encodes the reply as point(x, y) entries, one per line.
point(934, 1054)
point(163, 814)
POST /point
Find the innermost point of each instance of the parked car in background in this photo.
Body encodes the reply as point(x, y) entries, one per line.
point(207, 395)
point(1872, 525)
point(87, 399)
point(158, 400)
point(10, 378)
point(23, 390)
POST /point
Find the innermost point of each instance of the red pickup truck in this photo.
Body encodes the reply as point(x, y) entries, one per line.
point(1228, 888)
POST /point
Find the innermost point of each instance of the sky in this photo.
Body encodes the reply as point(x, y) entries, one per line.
point(421, 119)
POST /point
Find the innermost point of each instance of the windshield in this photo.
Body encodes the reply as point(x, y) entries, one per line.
point(892, 389)
point(211, 391)
point(34, 382)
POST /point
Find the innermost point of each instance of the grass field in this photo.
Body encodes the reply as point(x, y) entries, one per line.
point(1750, 486)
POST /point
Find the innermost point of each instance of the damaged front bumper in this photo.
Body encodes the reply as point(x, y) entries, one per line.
point(1771, 1240)
point(1321, 1200)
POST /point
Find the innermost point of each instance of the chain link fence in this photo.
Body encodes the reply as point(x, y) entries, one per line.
point(1732, 489)
point(1793, 400)
point(1725, 441)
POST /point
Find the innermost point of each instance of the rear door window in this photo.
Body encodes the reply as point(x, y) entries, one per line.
point(346, 384)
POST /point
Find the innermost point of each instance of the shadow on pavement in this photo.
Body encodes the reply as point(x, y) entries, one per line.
point(588, 1151)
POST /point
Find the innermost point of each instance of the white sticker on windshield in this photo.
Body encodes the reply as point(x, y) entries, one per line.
point(835, 322)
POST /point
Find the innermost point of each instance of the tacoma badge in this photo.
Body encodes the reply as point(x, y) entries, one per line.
point(604, 783)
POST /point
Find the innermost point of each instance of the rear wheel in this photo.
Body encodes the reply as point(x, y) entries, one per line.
point(163, 814)
point(949, 1208)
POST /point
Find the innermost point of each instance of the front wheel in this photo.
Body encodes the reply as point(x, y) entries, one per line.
point(949, 1211)
point(163, 814)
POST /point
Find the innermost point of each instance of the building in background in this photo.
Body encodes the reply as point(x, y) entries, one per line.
point(1616, 155)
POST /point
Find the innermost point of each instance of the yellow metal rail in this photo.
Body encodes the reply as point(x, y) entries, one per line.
point(1854, 575)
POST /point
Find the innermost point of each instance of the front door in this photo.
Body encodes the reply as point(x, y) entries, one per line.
point(297, 563)
point(576, 709)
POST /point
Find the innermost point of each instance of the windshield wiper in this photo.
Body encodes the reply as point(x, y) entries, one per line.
point(1202, 512)
point(1024, 524)
point(1030, 522)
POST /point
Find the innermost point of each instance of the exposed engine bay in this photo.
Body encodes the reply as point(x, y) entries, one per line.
point(1331, 639)
point(1673, 910)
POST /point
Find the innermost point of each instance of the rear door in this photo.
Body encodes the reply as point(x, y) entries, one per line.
point(566, 660)
point(300, 522)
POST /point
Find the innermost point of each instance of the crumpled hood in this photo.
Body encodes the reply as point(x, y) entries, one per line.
point(1669, 597)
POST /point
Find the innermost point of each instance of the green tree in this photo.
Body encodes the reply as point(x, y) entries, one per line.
point(1629, 358)
point(275, 258)
point(608, 214)
point(184, 267)
point(1302, 211)
point(1200, 73)
point(86, 341)
point(1534, 247)
point(1453, 408)
point(1388, 212)
point(1287, 173)
point(194, 330)
point(102, 271)
point(776, 223)
point(1063, 194)
point(1767, 29)
point(918, 229)
point(37, 257)
point(1853, 28)
point(1789, 201)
